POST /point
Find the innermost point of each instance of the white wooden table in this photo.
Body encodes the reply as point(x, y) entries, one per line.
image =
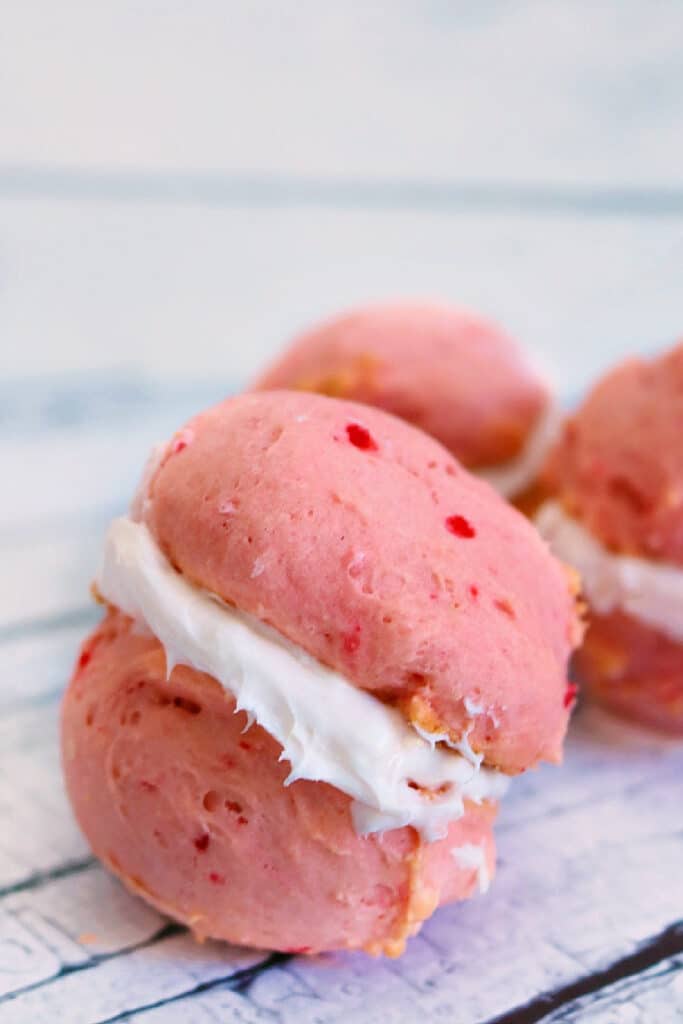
point(181, 187)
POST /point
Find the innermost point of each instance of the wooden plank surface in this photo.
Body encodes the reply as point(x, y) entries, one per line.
point(655, 995)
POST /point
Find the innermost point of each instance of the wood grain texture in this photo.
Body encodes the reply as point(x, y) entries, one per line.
point(656, 995)
point(168, 968)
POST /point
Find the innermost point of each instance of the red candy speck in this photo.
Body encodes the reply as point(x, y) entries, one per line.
point(245, 745)
point(474, 591)
point(361, 438)
point(216, 878)
point(202, 842)
point(352, 641)
point(570, 694)
point(460, 527)
point(84, 659)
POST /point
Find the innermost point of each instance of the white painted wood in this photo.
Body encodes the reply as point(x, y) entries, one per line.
point(72, 906)
point(168, 968)
point(40, 835)
point(221, 1004)
point(35, 668)
point(526, 91)
point(211, 294)
point(654, 997)
point(86, 473)
point(59, 924)
point(60, 583)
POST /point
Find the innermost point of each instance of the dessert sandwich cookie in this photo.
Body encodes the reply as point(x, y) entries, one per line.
point(325, 649)
point(449, 371)
point(614, 509)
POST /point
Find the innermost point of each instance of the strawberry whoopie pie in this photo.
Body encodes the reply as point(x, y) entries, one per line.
point(450, 372)
point(325, 649)
point(614, 509)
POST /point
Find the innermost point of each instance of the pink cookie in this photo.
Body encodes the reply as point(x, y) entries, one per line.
point(451, 372)
point(618, 466)
point(364, 542)
point(361, 542)
point(197, 821)
point(634, 670)
point(617, 472)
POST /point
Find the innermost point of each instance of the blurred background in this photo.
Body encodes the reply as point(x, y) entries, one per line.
point(183, 185)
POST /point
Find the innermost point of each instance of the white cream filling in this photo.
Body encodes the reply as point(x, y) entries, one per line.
point(329, 730)
point(469, 855)
point(513, 477)
point(649, 591)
